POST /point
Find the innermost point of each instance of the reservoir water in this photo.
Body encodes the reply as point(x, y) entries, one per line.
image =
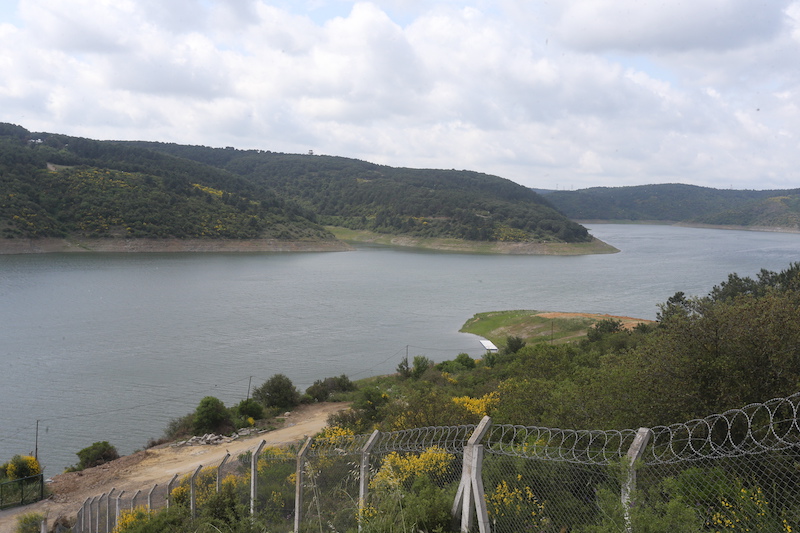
point(113, 346)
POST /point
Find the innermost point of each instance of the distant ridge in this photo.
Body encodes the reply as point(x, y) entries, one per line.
point(679, 203)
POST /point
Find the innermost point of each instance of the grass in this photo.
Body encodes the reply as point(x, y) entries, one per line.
point(528, 325)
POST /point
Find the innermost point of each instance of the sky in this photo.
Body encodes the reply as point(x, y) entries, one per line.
point(557, 94)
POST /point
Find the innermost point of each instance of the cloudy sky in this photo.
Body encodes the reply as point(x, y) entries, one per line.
point(560, 94)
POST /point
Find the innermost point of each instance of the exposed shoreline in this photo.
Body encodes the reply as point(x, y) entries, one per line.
point(172, 245)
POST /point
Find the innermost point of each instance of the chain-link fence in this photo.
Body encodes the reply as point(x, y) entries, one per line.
point(21, 491)
point(735, 471)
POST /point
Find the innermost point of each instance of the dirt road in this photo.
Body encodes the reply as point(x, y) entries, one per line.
point(157, 465)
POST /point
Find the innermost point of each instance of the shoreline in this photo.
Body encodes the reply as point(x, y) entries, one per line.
point(170, 245)
point(595, 246)
point(766, 229)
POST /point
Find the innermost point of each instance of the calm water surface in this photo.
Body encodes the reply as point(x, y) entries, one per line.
point(113, 346)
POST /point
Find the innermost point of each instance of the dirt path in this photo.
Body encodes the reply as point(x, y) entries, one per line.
point(157, 465)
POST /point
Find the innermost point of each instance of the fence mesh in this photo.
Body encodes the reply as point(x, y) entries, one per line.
point(734, 471)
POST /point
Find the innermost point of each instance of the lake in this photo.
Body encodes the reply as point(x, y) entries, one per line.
point(113, 346)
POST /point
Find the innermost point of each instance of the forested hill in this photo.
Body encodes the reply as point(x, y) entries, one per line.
point(417, 202)
point(682, 203)
point(59, 186)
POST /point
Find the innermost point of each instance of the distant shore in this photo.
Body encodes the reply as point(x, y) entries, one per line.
point(121, 245)
point(771, 229)
point(80, 245)
point(595, 246)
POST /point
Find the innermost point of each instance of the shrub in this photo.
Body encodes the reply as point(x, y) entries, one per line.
point(322, 390)
point(96, 454)
point(249, 408)
point(211, 416)
point(29, 523)
point(22, 466)
point(278, 391)
point(179, 427)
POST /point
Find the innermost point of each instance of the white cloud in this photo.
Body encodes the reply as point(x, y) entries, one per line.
point(642, 25)
point(575, 93)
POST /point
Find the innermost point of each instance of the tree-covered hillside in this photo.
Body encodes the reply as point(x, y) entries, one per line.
point(419, 202)
point(58, 186)
point(682, 203)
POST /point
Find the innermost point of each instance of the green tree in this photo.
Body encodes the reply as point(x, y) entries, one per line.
point(279, 392)
point(96, 454)
point(211, 416)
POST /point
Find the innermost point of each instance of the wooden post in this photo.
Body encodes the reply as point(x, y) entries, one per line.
point(298, 486)
point(635, 453)
point(254, 477)
point(363, 480)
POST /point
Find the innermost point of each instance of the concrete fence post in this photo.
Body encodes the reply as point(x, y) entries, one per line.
point(470, 495)
point(97, 513)
point(91, 515)
point(150, 497)
point(110, 523)
point(219, 471)
point(119, 503)
point(193, 492)
point(133, 499)
point(169, 489)
point(254, 477)
point(298, 484)
point(363, 474)
point(635, 453)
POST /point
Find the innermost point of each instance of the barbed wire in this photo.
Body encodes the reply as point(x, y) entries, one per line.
point(754, 429)
point(599, 447)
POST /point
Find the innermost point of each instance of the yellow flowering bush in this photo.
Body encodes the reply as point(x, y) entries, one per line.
point(22, 466)
point(478, 406)
point(128, 518)
point(396, 469)
point(516, 502)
